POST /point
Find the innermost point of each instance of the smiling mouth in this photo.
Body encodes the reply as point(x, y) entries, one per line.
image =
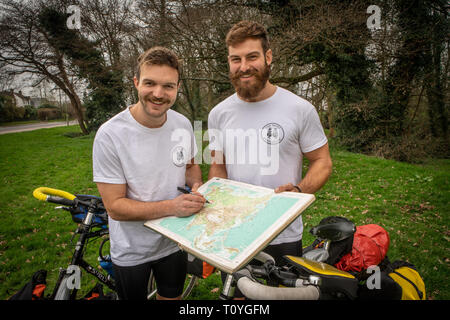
point(158, 103)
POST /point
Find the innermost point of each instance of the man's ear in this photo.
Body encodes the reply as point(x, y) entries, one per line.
point(136, 82)
point(179, 84)
point(269, 56)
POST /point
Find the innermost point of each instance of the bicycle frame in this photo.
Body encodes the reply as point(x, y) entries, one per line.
point(91, 218)
point(84, 229)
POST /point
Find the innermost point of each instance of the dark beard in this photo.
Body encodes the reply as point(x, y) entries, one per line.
point(252, 91)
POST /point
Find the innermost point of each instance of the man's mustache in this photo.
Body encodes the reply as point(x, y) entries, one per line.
point(156, 100)
point(250, 72)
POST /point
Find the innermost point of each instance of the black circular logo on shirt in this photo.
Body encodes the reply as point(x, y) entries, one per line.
point(272, 133)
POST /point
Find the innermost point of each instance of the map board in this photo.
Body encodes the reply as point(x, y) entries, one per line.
point(240, 220)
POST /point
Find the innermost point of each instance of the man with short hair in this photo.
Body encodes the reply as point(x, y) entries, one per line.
point(140, 157)
point(287, 127)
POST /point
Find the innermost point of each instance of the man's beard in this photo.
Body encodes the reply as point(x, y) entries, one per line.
point(250, 91)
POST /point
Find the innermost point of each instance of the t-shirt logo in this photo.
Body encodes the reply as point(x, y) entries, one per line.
point(179, 156)
point(272, 133)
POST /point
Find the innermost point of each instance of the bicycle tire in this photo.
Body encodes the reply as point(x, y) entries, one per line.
point(151, 287)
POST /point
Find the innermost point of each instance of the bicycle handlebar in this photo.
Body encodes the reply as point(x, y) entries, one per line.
point(257, 291)
point(54, 196)
point(298, 289)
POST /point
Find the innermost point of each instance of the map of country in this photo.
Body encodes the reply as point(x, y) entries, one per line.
point(235, 217)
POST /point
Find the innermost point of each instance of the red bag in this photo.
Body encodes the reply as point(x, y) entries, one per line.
point(370, 245)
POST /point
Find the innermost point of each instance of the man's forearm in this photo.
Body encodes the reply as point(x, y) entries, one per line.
point(317, 175)
point(217, 170)
point(193, 175)
point(125, 209)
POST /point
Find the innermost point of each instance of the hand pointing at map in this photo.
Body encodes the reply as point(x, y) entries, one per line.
point(188, 203)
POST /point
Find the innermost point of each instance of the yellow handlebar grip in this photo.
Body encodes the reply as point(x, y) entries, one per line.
point(41, 193)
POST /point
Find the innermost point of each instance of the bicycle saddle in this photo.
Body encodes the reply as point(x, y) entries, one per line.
point(334, 229)
point(330, 279)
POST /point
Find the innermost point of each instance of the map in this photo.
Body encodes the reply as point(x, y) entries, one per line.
point(240, 220)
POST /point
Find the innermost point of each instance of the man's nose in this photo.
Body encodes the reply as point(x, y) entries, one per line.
point(158, 92)
point(245, 66)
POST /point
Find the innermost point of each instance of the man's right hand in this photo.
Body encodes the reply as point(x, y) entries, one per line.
point(186, 205)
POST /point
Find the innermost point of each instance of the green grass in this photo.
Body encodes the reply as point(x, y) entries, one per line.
point(410, 201)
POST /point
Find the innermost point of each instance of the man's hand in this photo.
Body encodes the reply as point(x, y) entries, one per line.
point(286, 187)
point(319, 170)
point(186, 205)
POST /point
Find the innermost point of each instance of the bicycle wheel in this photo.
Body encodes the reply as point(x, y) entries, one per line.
point(188, 286)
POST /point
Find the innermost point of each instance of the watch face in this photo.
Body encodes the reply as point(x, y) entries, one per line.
point(272, 133)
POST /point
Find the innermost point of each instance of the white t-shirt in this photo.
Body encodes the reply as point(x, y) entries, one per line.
point(151, 162)
point(263, 142)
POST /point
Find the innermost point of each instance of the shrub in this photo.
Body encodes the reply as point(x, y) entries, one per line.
point(47, 106)
point(45, 114)
point(30, 113)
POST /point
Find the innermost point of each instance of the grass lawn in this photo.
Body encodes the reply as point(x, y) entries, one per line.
point(410, 201)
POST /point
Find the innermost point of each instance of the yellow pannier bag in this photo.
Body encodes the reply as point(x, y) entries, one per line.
point(413, 287)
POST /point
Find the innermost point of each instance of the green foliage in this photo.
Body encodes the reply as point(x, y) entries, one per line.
point(7, 109)
point(45, 114)
point(30, 113)
point(376, 119)
point(9, 112)
point(47, 106)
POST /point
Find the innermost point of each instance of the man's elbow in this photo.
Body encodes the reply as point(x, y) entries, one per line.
point(113, 210)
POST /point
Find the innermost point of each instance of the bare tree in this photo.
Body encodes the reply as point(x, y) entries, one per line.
point(25, 48)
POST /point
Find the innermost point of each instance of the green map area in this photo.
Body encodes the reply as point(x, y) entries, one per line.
point(235, 217)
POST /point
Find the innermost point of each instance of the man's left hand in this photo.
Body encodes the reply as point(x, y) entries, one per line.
point(286, 187)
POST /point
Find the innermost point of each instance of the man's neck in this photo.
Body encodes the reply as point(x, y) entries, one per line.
point(138, 113)
point(267, 92)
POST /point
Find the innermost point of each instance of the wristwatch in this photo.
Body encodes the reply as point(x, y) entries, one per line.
point(298, 188)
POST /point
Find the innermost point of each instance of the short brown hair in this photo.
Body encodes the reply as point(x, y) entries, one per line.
point(158, 56)
point(245, 29)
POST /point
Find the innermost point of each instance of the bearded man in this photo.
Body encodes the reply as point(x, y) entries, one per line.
point(287, 126)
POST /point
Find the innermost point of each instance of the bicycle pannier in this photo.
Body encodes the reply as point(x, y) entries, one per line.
point(370, 245)
point(34, 289)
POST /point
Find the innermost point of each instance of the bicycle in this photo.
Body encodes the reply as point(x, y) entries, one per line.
point(90, 214)
point(299, 279)
point(302, 278)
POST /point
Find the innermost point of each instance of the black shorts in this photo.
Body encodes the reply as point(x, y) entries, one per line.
point(277, 251)
point(170, 274)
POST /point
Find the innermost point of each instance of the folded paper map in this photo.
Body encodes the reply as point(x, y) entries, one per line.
point(240, 220)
